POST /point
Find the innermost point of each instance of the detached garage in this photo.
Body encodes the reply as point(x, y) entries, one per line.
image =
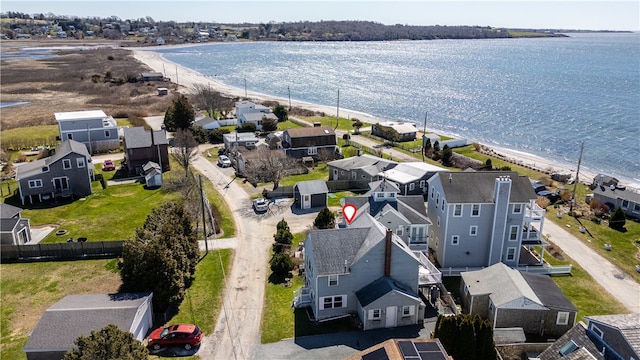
point(310, 194)
point(78, 315)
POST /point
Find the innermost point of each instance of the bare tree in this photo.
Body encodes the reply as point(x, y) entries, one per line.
point(212, 101)
point(266, 165)
point(185, 148)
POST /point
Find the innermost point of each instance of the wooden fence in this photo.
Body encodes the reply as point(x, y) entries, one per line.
point(61, 251)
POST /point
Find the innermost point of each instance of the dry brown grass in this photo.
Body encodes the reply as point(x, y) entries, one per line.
point(76, 80)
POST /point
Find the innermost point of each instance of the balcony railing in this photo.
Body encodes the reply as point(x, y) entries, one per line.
point(302, 298)
point(428, 273)
point(534, 213)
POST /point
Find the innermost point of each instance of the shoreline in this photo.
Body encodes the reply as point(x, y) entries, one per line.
point(187, 78)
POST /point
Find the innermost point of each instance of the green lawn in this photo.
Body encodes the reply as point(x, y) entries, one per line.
point(320, 172)
point(334, 198)
point(27, 137)
point(288, 125)
point(331, 121)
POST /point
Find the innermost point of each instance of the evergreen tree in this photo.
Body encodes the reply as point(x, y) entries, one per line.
point(447, 155)
point(325, 219)
point(617, 219)
point(179, 115)
point(281, 113)
point(269, 124)
point(163, 256)
point(281, 264)
point(108, 343)
point(436, 146)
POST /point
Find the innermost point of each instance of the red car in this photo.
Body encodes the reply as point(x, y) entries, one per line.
point(187, 335)
point(108, 165)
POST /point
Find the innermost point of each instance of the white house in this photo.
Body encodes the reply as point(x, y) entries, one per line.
point(248, 112)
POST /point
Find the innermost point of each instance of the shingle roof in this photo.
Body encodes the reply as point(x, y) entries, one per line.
point(78, 315)
point(312, 187)
point(241, 137)
point(478, 187)
point(628, 324)
point(7, 224)
point(8, 211)
point(62, 150)
point(502, 283)
point(577, 334)
point(408, 172)
point(332, 248)
point(137, 137)
point(548, 292)
point(259, 115)
point(364, 161)
point(310, 131)
point(380, 287)
point(617, 194)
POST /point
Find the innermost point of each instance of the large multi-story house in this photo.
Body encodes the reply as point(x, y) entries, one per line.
point(483, 218)
point(404, 215)
point(309, 142)
point(68, 172)
point(365, 270)
point(142, 146)
point(248, 112)
point(411, 177)
point(97, 131)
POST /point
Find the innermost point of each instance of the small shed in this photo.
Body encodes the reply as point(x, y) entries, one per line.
point(152, 174)
point(310, 194)
point(163, 91)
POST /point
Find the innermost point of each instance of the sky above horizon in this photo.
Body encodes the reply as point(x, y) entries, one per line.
point(534, 14)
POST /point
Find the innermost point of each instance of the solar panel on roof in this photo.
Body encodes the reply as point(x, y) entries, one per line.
point(407, 349)
point(380, 354)
point(427, 346)
point(432, 355)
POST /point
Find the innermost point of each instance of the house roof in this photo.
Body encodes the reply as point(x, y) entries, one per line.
point(137, 137)
point(241, 137)
point(365, 161)
point(62, 150)
point(203, 121)
point(402, 349)
point(548, 292)
point(381, 287)
point(502, 283)
point(79, 115)
point(401, 128)
point(312, 187)
point(478, 186)
point(382, 186)
point(151, 74)
point(256, 116)
point(8, 211)
point(578, 334)
point(310, 131)
point(7, 224)
point(411, 208)
point(151, 167)
point(627, 324)
point(607, 192)
point(408, 172)
point(78, 315)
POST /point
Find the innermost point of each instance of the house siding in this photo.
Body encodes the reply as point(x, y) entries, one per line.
point(392, 299)
point(78, 178)
point(614, 339)
point(97, 133)
point(137, 157)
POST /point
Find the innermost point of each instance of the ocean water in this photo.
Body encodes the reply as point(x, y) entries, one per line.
point(540, 96)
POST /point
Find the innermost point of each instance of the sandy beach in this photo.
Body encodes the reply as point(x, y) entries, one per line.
point(187, 79)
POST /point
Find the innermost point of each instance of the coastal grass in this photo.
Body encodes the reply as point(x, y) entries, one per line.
point(203, 299)
point(334, 122)
point(216, 199)
point(589, 297)
point(28, 137)
point(29, 289)
point(470, 151)
point(284, 125)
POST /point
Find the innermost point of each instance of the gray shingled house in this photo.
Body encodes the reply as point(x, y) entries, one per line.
point(358, 170)
point(482, 218)
point(141, 146)
point(14, 229)
point(309, 142)
point(68, 172)
point(364, 270)
point(603, 337)
point(510, 298)
point(77, 315)
point(411, 177)
point(406, 216)
point(310, 194)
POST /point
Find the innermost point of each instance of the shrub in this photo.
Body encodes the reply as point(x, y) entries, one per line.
point(281, 264)
point(325, 219)
point(618, 219)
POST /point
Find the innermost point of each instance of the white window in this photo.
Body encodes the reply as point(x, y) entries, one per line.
point(438, 199)
point(35, 184)
point(422, 182)
point(80, 162)
point(107, 134)
point(442, 207)
point(475, 210)
point(433, 191)
point(333, 280)
point(70, 136)
point(333, 302)
point(596, 331)
point(375, 314)
point(473, 230)
point(457, 210)
point(408, 310)
point(511, 254)
point(636, 207)
point(45, 169)
point(312, 150)
point(563, 318)
point(66, 164)
point(412, 186)
point(513, 234)
point(455, 239)
point(625, 204)
point(400, 230)
point(517, 208)
point(353, 175)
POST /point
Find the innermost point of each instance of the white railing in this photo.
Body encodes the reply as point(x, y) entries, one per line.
point(534, 213)
point(428, 273)
point(301, 297)
point(547, 270)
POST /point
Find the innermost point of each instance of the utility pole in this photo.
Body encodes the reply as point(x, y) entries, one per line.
point(245, 88)
point(575, 184)
point(424, 135)
point(204, 219)
point(289, 90)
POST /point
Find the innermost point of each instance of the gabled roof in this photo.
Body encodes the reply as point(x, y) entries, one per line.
point(151, 167)
point(311, 187)
point(548, 292)
point(478, 187)
point(78, 315)
point(382, 186)
point(401, 128)
point(381, 287)
point(137, 137)
point(8, 211)
point(627, 324)
point(578, 335)
point(61, 151)
point(310, 132)
point(241, 137)
point(365, 161)
point(408, 172)
point(203, 121)
point(256, 116)
point(607, 192)
point(79, 115)
point(502, 283)
point(7, 225)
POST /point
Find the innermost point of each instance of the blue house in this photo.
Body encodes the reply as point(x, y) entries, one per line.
point(97, 131)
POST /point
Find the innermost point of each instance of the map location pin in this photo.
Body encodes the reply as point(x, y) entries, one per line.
point(349, 212)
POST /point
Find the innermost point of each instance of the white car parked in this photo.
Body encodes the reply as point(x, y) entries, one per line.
point(224, 161)
point(261, 204)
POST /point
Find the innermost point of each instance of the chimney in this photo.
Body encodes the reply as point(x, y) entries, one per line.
point(387, 253)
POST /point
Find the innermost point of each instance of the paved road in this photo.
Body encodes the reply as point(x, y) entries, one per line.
point(610, 277)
